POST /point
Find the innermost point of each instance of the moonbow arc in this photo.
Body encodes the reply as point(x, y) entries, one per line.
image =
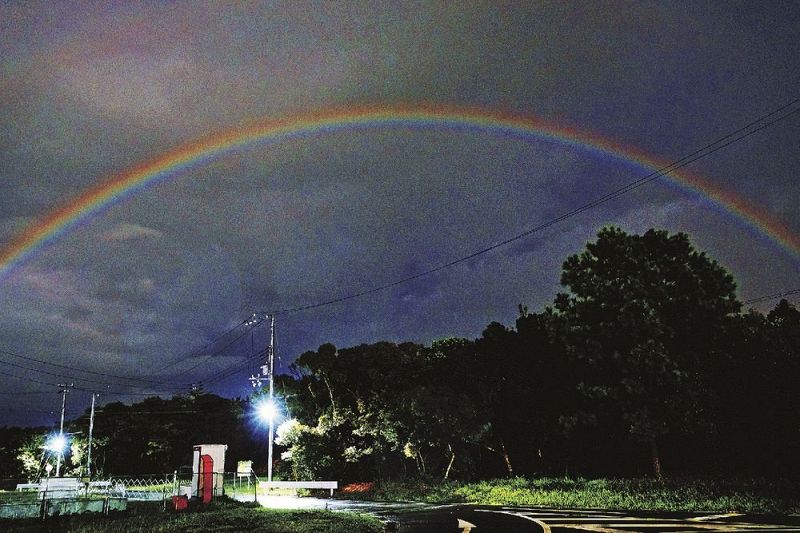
point(94, 200)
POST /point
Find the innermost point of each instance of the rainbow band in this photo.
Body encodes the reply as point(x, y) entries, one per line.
point(95, 199)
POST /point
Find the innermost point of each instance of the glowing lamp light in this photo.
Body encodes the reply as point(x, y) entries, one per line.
point(266, 410)
point(57, 444)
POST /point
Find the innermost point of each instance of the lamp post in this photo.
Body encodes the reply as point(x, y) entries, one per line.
point(64, 390)
point(89, 452)
point(267, 409)
point(271, 375)
point(55, 445)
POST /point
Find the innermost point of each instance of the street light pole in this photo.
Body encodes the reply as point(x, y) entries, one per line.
point(64, 390)
point(271, 376)
point(89, 453)
point(267, 410)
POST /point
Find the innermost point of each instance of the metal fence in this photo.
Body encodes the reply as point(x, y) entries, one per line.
point(235, 485)
point(242, 487)
point(50, 496)
point(58, 496)
point(16, 504)
point(149, 488)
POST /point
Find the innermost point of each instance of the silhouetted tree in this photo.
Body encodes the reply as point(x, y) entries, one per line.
point(643, 313)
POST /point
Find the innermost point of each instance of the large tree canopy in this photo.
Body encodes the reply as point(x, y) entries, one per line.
point(645, 313)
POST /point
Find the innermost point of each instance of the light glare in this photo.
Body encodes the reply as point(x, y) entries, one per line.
point(57, 443)
point(266, 410)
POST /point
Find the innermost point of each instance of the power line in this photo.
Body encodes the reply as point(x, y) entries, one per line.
point(220, 374)
point(24, 393)
point(108, 392)
point(12, 410)
point(77, 388)
point(249, 323)
point(28, 378)
point(124, 413)
point(194, 353)
point(154, 383)
point(93, 372)
point(56, 375)
point(773, 296)
point(234, 368)
point(735, 136)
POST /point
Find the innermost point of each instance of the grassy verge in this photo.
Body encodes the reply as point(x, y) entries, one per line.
point(631, 494)
point(217, 517)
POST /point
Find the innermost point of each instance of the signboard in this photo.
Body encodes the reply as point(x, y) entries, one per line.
point(244, 468)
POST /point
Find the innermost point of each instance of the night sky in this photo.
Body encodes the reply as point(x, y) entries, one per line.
point(132, 301)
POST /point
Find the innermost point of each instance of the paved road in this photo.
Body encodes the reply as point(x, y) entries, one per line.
point(482, 519)
point(425, 518)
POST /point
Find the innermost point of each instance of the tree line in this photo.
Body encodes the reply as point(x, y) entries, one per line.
point(646, 364)
point(153, 436)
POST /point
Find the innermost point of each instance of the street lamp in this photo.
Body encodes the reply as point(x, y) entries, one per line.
point(266, 410)
point(57, 444)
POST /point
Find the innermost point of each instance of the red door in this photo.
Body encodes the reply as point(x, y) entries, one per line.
point(205, 487)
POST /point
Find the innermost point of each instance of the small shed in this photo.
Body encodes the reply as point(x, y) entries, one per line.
point(208, 470)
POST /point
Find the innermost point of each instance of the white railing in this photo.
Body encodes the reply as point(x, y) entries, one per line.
point(330, 485)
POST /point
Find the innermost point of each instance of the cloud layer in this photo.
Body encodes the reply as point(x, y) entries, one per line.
point(86, 92)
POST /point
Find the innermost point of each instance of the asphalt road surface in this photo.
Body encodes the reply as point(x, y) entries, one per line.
point(483, 519)
point(425, 518)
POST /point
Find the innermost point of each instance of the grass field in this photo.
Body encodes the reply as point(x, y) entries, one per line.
point(225, 516)
point(633, 494)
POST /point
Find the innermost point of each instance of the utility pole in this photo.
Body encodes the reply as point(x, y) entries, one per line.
point(267, 370)
point(89, 453)
point(64, 390)
point(270, 375)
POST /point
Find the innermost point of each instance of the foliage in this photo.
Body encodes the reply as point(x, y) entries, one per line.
point(152, 436)
point(643, 313)
point(30, 456)
point(18, 451)
point(641, 365)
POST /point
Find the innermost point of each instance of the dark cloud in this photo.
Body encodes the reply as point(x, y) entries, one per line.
point(141, 289)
